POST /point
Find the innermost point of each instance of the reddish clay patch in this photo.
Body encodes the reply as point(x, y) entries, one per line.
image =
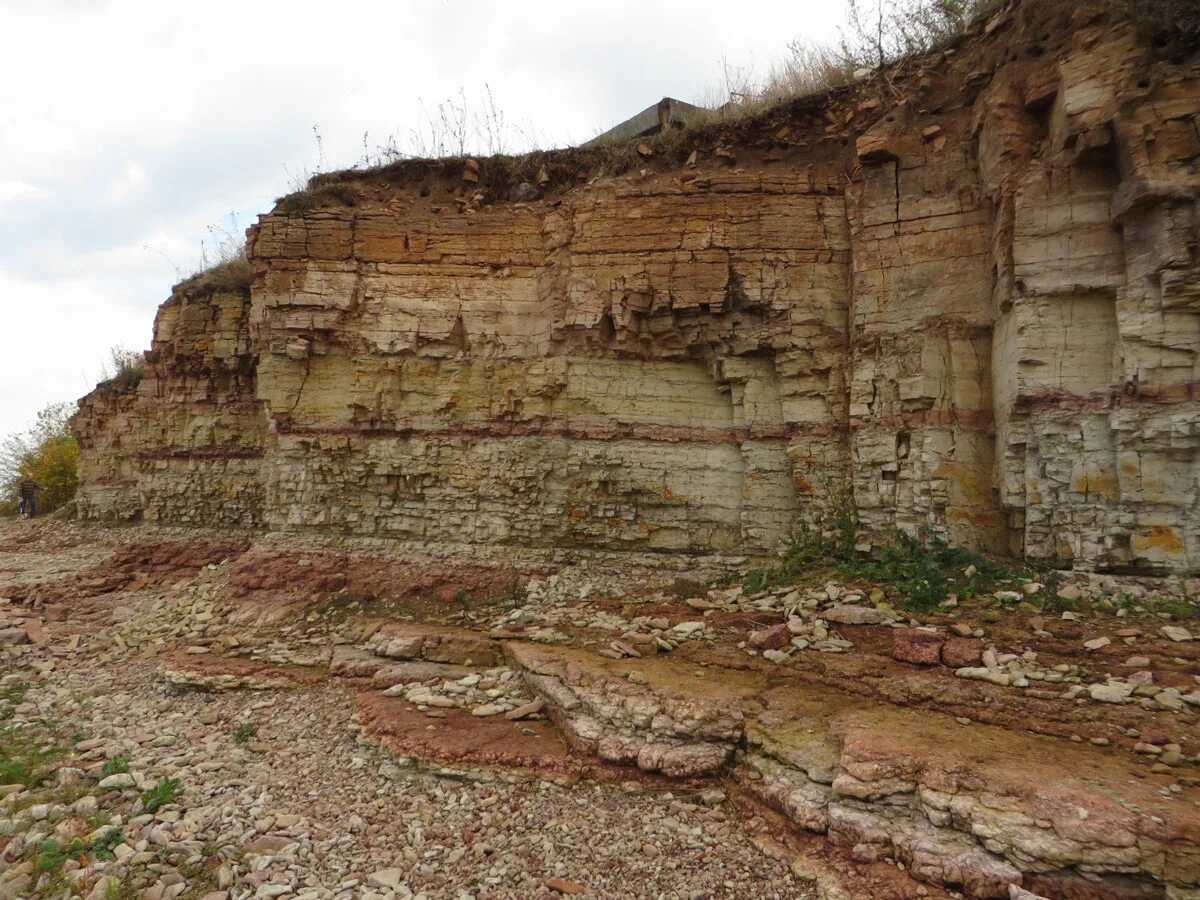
point(494, 742)
point(960, 651)
point(272, 576)
point(463, 738)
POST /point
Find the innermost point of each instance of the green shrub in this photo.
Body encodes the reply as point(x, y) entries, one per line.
point(102, 847)
point(48, 453)
point(244, 732)
point(921, 570)
point(50, 854)
point(828, 540)
point(118, 765)
point(160, 795)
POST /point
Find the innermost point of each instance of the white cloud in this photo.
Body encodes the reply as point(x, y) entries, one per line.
point(129, 183)
point(11, 191)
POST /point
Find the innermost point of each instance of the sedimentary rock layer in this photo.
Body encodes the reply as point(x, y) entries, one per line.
point(185, 443)
point(964, 293)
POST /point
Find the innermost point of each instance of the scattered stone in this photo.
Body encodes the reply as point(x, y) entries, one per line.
point(386, 878)
point(712, 797)
point(854, 615)
point(11, 636)
point(773, 638)
point(526, 710)
point(982, 673)
point(1110, 693)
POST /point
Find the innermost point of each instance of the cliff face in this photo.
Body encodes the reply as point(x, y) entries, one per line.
point(966, 291)
point(186, 444)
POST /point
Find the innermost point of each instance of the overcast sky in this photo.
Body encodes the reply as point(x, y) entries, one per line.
point(130, 128)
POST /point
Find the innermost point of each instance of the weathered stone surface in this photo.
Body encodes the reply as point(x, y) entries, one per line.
point(850, 614)
point(962, 651)
point(185, 444)
point(434, 644)
point(918, 647)
point(773, 638)
point(981, 312)
point(658, 726)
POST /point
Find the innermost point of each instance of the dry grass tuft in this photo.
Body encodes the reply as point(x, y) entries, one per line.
point(232, 276)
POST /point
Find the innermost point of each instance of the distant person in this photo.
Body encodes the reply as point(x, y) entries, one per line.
point(27, 492)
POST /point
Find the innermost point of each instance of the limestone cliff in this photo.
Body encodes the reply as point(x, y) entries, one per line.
point(966, 289)
point(186, 443)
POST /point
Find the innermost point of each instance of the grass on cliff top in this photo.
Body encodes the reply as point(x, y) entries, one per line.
point(889, 39)
point(124, 369)
point(232, 276)
point(224, 266)
point(876, 34)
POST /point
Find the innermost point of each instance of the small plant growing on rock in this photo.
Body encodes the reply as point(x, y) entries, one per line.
point(11, 695)
point(517, 596)
point(26, 753)
point(102, 846)
point(124, 370)
point(50, 854)
point(118, 765)
point(1051, 602)
point(121, 890)
point(160, 795)
point(244, 732)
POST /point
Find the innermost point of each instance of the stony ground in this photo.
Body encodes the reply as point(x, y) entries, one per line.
point(276, 795)
point(222, 715)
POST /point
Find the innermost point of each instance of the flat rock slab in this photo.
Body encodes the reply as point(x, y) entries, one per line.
point(354, 662)
point(215, 672)
point(406, 672)
point(434, 643)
